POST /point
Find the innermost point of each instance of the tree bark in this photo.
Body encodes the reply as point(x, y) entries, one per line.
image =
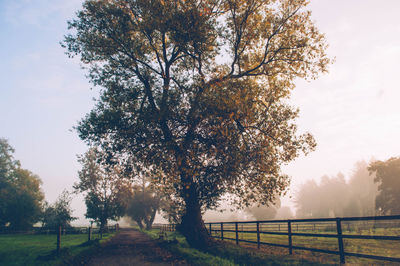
point(151, 220)
point(103, 225)
point(139, 222)
point(192, 225)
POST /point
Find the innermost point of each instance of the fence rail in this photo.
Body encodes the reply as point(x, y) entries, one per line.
point(338, 232)
point(59, 232)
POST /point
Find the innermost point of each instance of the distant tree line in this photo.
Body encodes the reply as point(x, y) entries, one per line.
point(372, 189)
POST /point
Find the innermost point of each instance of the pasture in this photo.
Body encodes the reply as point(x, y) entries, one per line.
point(362, 241)
point(35, 249)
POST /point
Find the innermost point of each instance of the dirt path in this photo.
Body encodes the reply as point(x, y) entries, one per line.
point(131, 247)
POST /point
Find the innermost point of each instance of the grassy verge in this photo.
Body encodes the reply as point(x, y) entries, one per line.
point(222, 253)
point(40, 249)
point(176, 244)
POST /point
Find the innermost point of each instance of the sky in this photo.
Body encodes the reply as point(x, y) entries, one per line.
point(353, 111)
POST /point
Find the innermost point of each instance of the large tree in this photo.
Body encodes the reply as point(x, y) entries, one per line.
point(106, 191)
point(388, 179)
point(21, 196)
point(195, 90)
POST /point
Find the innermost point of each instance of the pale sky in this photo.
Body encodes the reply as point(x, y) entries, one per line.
point(353, 111)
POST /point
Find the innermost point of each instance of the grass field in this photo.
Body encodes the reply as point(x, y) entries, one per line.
point(40, 249)
point(387, 248)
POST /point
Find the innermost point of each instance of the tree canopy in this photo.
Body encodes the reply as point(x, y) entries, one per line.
point(388, 180)
point(21, 197)
point(195, 91)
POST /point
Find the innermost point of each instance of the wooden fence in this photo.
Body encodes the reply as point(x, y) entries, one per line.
point(85, 230)
point(60, 231)
point(345, 237)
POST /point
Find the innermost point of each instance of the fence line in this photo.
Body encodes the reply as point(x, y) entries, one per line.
point(332, 228)
point(60, 231)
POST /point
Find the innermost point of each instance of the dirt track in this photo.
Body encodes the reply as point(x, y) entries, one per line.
point(132, 247)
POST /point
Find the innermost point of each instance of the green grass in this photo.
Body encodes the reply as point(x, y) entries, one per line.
point(40, 249)
point(177, 245)
point(223, 253)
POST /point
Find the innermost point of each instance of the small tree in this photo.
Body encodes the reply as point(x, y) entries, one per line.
point(104, 188)
point(59, 213)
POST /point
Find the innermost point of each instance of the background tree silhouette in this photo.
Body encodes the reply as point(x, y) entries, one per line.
point(334, 197)
point(143, 206)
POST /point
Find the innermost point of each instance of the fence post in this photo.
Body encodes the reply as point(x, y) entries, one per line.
point(340, 240)
point(210, 229)
point(237, 234)
point(59, 238)
point(290, 236)
point(258, 235)
point(222, 231)
point(90, 233)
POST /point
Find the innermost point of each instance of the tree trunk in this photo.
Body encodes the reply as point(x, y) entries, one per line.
point(192, 224)
point(139, 222)
point(151, 220)
point(103, 224)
